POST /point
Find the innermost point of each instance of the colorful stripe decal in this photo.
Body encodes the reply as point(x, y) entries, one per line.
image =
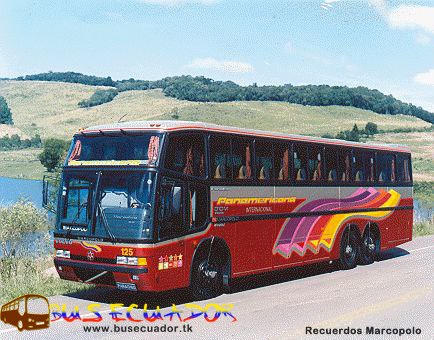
point(315, 232)
point(91, 246)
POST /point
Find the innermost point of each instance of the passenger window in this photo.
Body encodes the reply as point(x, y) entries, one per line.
point(344, 165)
point(300, 163)
point(220, 157)
point(331, 164)
point(358, 168)
point(386, 168)
point(241, 158)
point(369, 166)
point(186, 154)
point(281, 161)
point(264, 160)
point(315, 164)
point(403, 168)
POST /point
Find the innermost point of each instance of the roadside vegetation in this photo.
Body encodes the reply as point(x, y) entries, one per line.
point(53, 153)
point(99, 97)
point(26, 263)
point(5, 112)
point(423, 228)
point(15, 142)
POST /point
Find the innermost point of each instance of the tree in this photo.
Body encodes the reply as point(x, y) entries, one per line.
point(5, 112)
point(53, 153)
point(371, 129)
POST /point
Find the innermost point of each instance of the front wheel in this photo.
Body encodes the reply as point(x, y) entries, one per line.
point(207, 278)
point(349, 250)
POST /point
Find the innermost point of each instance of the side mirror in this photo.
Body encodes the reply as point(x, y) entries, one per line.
point(49, 193)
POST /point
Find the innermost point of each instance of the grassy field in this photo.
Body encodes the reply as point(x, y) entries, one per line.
point(21, 164)
point(51, 109)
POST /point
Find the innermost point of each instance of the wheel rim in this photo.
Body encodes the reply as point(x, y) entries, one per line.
point(350, 250)
point(369, 244)
point(208, 277)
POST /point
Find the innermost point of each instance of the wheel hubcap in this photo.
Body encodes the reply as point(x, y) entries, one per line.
point(348, 249)
point(369, 244)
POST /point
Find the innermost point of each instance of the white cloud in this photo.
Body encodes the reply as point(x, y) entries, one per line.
point(327, 4)
point(221, 65)
point(406, 16)
point(178, 2)
point(412, 16)
point(426, 78)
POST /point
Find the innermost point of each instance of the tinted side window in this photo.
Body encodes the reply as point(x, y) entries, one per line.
point(315, 163)
point(241, 158)
point(369, 166)
point(300, 163)
point(403, 168)
point(281, 161)
point(386, 168)
point(264, 160)
point(220, 149)
point(186, 154)
point(331, 164)
point(344, 165)
point(358, 167)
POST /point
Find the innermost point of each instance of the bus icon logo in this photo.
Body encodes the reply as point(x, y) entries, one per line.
point(27, 312)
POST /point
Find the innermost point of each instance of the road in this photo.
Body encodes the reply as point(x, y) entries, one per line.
point(395, 292)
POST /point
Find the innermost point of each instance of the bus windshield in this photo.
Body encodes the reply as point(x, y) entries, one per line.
point(114, 204)
point(37, 305)
point(138, 150)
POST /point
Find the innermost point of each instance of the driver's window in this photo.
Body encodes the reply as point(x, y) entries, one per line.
point(171, 210)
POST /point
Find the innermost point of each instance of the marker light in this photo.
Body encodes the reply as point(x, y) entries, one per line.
point(66, 254)
point(131, 261)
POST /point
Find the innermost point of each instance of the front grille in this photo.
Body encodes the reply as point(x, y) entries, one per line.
point(85, 274)
point(96, 259)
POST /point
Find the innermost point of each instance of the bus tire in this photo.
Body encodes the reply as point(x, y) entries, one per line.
point(207, 278)
point(20, 326)
point(370, 245)
point(349, 249)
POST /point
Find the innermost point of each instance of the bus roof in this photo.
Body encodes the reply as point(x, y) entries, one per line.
point(175, 125)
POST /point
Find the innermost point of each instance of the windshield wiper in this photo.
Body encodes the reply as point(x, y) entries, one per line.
point(105, 223)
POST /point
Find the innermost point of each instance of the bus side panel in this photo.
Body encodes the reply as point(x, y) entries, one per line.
point(253, 240)
point(171, 265)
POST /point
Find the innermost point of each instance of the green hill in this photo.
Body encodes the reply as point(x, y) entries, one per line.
point(51, 110)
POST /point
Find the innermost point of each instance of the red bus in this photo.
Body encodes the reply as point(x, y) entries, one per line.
point(154, 206)
point(27, 312)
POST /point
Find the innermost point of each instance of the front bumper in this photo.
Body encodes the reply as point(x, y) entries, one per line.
point(104, 274)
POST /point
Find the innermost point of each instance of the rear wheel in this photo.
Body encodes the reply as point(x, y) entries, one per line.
point(370, 247)
point(349, 249)
point(207, 278)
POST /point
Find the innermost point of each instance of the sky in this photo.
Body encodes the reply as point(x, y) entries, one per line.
point(383, 44)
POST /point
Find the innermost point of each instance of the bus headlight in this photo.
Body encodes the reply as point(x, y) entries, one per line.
point(66, 254)
point(131, 260)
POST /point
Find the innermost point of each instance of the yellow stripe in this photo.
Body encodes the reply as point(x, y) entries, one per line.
point(108, 162)
point(336, 221)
